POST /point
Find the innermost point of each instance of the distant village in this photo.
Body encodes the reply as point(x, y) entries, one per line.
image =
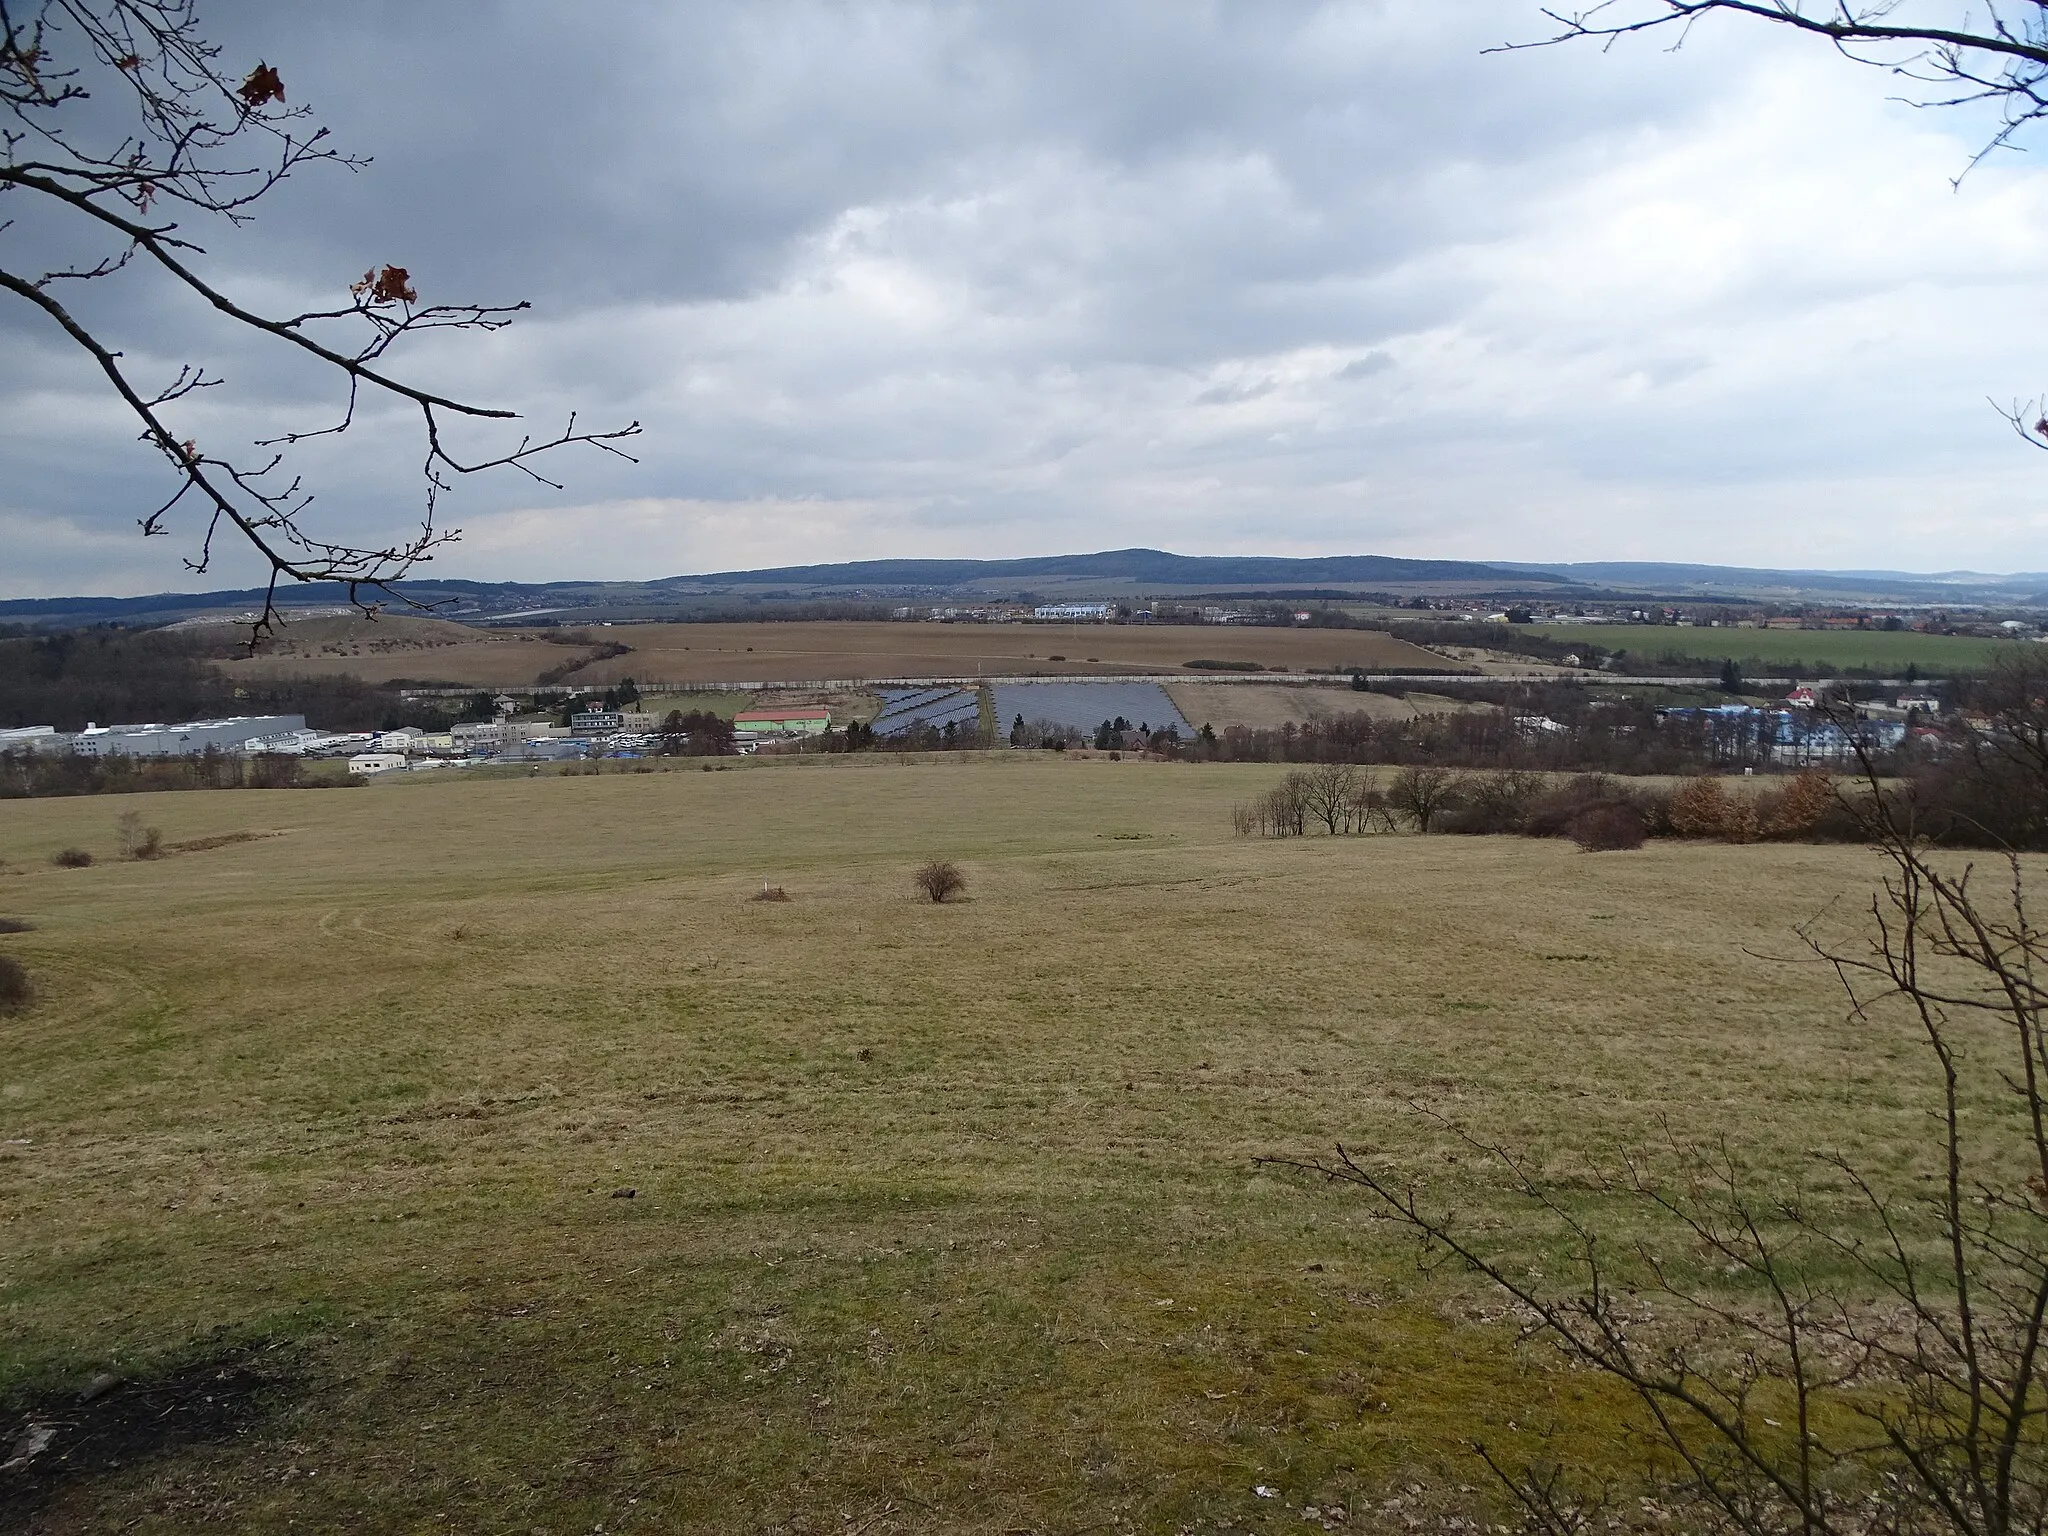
point(507, 738)
point(1135, 715)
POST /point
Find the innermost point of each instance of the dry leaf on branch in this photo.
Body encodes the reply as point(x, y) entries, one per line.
point(386, 287)
point(261, 86)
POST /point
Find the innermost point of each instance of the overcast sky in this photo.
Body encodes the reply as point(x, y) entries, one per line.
point(1010, 279)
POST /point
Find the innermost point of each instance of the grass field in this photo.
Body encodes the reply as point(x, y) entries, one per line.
point(943, 1218)
point(1757, 650)
point(1268, 706)
point(405, 647)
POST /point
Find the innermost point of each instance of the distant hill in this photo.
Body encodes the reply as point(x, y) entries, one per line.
point(861, 588)
point(2025, 588)
point(1149, 567)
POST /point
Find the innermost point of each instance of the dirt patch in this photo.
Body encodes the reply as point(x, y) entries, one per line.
point(220, 840)
point(56, 1444)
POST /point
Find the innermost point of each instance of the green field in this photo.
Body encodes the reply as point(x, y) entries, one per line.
point(1888, 652)
point(943, 1218)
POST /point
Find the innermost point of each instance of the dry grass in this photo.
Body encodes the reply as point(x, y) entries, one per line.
point(1268, 706)
point(945, 1216)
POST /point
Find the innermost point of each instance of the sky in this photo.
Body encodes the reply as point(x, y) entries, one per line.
point(996, 280)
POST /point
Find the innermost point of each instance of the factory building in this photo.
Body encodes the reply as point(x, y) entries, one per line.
point(35, 738)
point(185, 740)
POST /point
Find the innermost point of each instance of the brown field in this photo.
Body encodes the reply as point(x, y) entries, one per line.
point(402, 646)
point(759, 653)
point(943, 1219)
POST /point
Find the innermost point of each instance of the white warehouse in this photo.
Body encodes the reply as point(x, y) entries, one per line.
point(186, 740)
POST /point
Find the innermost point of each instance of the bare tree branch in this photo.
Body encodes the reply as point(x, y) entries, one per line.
point(201, 139)
point(1996, 52)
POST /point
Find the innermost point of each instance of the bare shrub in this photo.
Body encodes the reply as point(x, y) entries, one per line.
point(71, 858)
point(769, 893)
point(940, 879)
point(1557, 811)
point(1496, 802)
point(138, 841)
point(15, 992)
point(1552, 813)
point(16, 925)
point(1608, 827)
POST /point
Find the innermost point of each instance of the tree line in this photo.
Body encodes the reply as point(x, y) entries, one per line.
point(108, 675)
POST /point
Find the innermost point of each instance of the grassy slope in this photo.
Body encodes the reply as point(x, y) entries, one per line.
point(946, 1217)
point(1758, 649)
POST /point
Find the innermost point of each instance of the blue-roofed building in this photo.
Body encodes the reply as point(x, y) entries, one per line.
point(1796, 736)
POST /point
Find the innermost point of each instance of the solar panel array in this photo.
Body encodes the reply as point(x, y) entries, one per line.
point(906, 709)
point(1084, 706)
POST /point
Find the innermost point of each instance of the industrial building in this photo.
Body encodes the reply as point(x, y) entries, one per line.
point(185, 740)
point(35, 738)
point(603, 722)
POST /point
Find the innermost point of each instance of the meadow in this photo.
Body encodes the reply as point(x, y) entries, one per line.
point(1889, 652)
point(478, 1155)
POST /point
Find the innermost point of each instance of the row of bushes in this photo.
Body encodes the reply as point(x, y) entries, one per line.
point(35, 775)
point(1593, 810)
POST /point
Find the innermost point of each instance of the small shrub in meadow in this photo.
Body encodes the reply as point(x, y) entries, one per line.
point(1608, 828)
point(15, 991)
point(939, 880)
point(71, 858)
point(138, 841)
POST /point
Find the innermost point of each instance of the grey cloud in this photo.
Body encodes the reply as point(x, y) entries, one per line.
point(995, 277)
point(1365, 367)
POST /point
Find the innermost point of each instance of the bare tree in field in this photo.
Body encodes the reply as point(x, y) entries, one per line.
point(1330, 793)
point(1422, 795)
point(125, 132)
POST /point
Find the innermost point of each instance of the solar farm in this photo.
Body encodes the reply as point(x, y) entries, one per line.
point(908, 709)
point(1084, 706)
